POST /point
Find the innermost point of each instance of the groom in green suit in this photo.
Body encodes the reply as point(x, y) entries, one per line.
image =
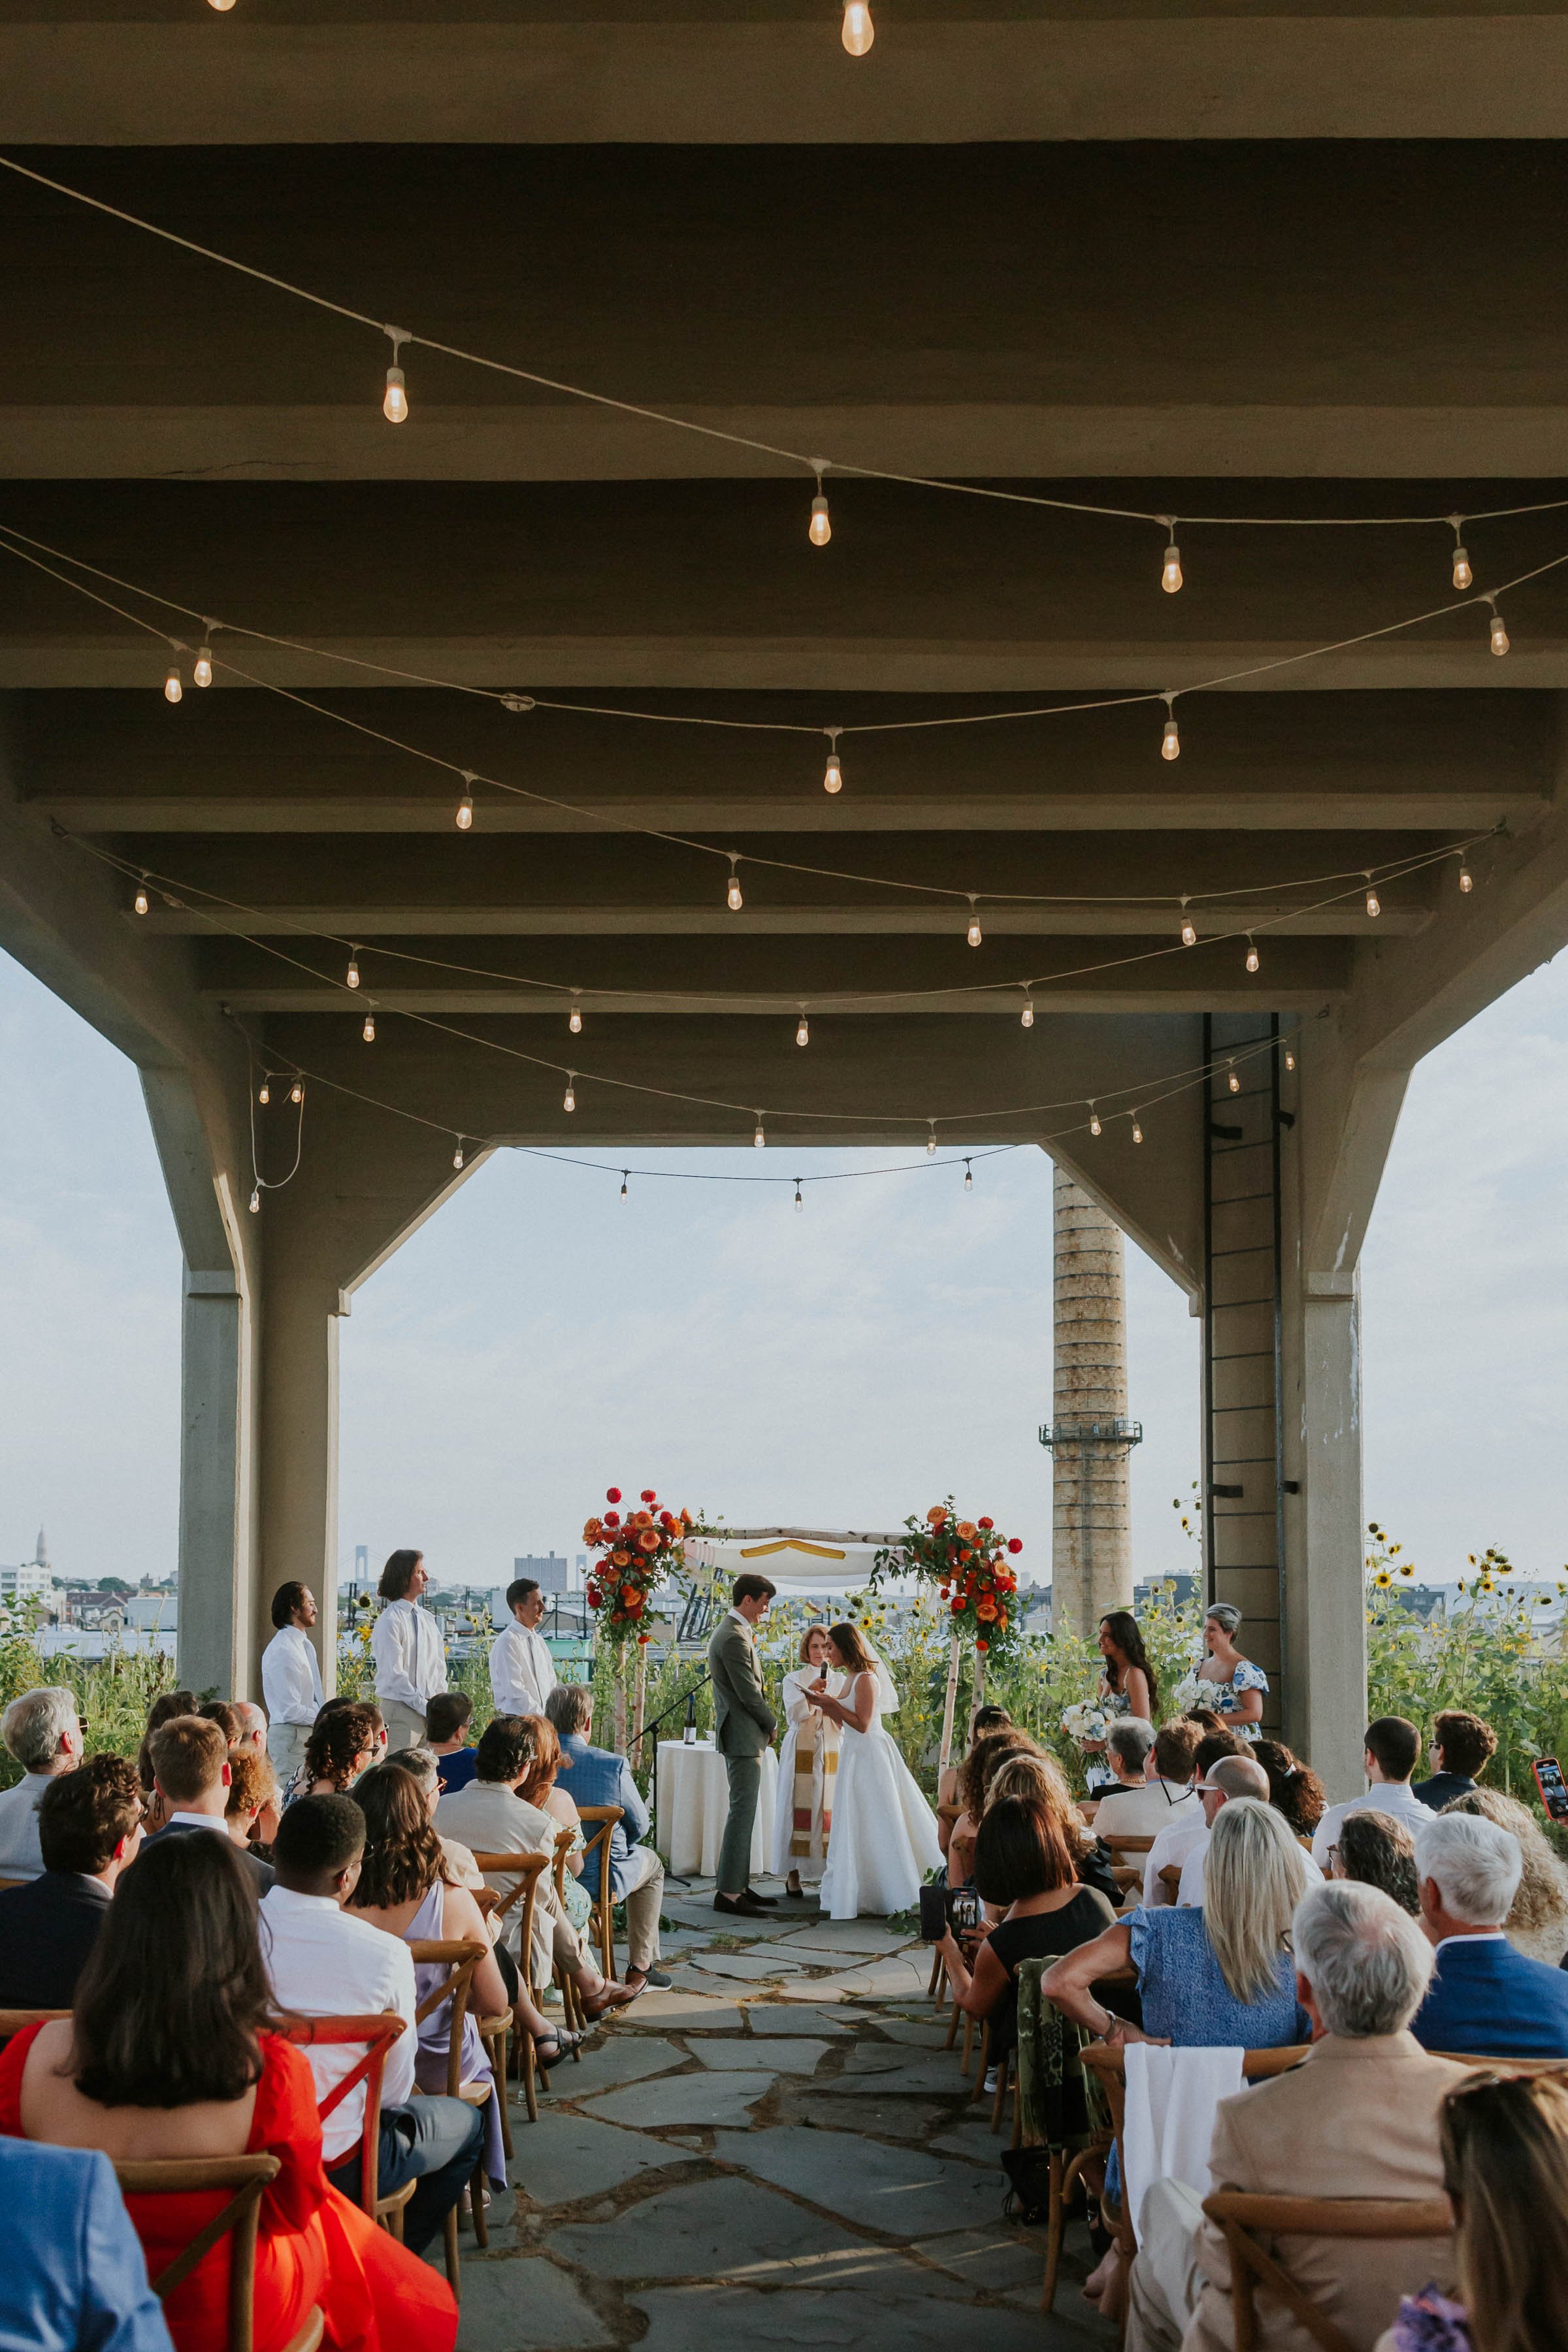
point(743, 1725)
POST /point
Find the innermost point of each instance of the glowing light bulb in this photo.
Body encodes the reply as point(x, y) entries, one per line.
point(1234, 1080)
point(798, 1202)
point(574, 1021)
point(1027, 1014)
point(833, 774)
point(1137, 1130)
point(352, 976)
point(172, 690)
point(569, 1099)
point(732, 897)
point(623, 1174)
point(760, 1139)
point(1170, 741)
point(264, 1094)
point(256, 1202)
point(139, 901)
point(1171, 577)
point(1251, 957)
point(973, 933)
point(223, 6)
point(466, 812)
point(931, 1141)
point(296, 1092)
point(859, 31)
point(1374, 903)
point(1189, 932)
point(1498, 637)
point(368, 1032)
point(968, 1177)
point(1094, 1127)
point(1289, 1059)
point(803, 1032)
point(395, 400)
point(1463, 575)
point(202, 675)
point(458, 1155)
point(1467, 881)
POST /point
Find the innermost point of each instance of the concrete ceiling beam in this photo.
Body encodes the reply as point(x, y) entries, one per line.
point(1051, 998)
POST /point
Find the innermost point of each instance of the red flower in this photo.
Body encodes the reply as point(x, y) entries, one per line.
point(612, 1495)
point(595, 1598)
point(649, 1496)
point(667, 1518)
point(985, 1523)
point(612, 1519)
point(1014, 1543)
point(982, 1645)
point(958, 1608)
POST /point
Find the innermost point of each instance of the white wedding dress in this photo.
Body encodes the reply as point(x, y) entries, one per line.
point(884, 1833)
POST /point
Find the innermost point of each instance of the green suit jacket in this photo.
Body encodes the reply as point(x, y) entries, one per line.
point(743, 1722)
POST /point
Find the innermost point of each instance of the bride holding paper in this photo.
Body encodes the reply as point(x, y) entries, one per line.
point(883, 1839)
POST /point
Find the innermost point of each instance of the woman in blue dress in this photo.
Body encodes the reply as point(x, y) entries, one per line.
point(1226, 1681)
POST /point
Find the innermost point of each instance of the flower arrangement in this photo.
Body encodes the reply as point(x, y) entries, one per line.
point(636, 1550)
point(1083, 1722)
point(968, 1562)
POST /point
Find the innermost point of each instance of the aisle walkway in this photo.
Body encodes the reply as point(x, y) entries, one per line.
point(777, 2152)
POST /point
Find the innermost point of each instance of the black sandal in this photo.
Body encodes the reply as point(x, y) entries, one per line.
point(565, 2046)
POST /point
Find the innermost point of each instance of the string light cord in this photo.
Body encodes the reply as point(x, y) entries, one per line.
point(816, 466)
point(258, 1183)
point(619, 822)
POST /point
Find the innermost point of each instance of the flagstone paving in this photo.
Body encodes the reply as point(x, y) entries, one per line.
point(794, 2157)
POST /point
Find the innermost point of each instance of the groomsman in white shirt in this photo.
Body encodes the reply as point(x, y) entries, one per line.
point(405, 1643)
point(522, 1671)
point(290, 1678)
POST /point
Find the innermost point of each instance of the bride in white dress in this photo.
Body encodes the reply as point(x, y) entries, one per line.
point(884, 1833)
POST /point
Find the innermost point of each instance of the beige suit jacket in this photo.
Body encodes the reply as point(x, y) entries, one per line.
point(1355, 2120)
point(490, 1818)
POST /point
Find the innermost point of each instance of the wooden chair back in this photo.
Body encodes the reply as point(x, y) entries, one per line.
point(564, 1842)
point(460, 1958)
point(14, 2021)
point(1171, 1879)
point(604, 1818)
point(377, 2031)
point(1509, 2066)
point(1238, 2214)
point(1128, 1855)
point(247, 2177)
point(526, 1870)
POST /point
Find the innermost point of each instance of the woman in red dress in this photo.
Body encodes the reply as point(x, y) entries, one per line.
point(168, 2055)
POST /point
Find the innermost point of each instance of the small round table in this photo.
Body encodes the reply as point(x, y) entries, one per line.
point(694, 1804)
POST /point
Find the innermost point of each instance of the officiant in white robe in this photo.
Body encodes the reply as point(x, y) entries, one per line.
point(808, 1766)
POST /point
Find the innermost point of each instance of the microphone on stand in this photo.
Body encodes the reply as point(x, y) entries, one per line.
point(688, 1737)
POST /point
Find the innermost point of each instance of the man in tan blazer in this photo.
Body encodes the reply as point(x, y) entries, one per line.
point(1357, 2118)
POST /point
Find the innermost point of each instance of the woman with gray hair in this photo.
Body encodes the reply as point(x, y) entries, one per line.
point(1225, 1680)
point(43, 1732)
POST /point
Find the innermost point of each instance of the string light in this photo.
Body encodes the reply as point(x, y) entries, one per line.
point(931, 1140)
point(223, 7)
point(172, 690)
point(1027, 1014)
point(256, 1201)
point(1171, 577)
point(265, 1093)
point(569, 1099)
point(1137, 1130)
point(1234, 1080)
point(202, 674)
point(968, 1177)
point(297, 1091)
point(1170, 741)
point(1499, 634)
point(1251, 953)
point(1094, 1126)
point(395, 400)
point(1189, 929)
point(833, 774)
point(352, 976)
point(798, 1202)
point(141, 900)
point(732, 897)
point(1289, 1059)
point(1467, 883)
point(974, 932)
point(1374, 903)
point(1463, 575)
point(458, 1155)
point(465, 805)
point(803, 1031)
point(575, 1018)
point(819, 530)
point(760, 1139)
point(368, 1032)
point(858, 32)
point(625, 1172)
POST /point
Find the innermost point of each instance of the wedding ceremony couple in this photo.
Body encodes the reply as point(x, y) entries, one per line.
point(850, 1812)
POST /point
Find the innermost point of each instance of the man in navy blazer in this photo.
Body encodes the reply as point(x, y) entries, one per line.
point(1485, 2000)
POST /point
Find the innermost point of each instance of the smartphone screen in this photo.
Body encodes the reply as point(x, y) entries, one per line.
point(1553, 1790)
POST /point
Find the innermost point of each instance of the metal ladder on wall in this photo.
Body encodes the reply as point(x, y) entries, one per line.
point(1244, 1491)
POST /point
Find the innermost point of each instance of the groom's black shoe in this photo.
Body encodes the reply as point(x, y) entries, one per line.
point(770, 1901)
point(747, 1905)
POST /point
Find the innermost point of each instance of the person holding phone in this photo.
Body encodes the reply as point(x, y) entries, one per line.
point(808, 1766)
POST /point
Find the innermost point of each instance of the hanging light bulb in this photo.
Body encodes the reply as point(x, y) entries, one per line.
point(172, 690)
point(1499, 635)
point(819, 530)
point(859, 31)
point(297, 1091)
point(575, 1018)
point(1374, 903)
point(974, 932)
point(139, 901)
point(352, 976)
point(368, 1032)
point(1027, 1014)
point(569, 1099)
point(760, 1139)
point(1094, 1127)
point(395, 400)
point(732, 897)
point(625, 1172)
point(833, 774)
point(931, 1140)
point(458, 1155)
point(1189, 929)
point(1289, 1059)
point(968, 1177)
point(1463, 575)
point(1171, 576)
point(202, 674)
point(1467, 881)
point(466, 807)
point(1252, 954)
point(223, 6)
point(1170, 741)
point(1137, 1130)
point(798, 1202)
point(802, 1030)
point(256, 1201)
point(1233, 1080)
point(264, 1094)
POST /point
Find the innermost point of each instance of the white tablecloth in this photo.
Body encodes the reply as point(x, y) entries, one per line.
point(694, 1802)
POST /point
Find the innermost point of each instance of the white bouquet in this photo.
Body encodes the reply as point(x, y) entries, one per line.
point(1190, 1694)
point(1084, 1722)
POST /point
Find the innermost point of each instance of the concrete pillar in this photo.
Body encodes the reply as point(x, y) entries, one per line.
point(298, 1431)
point(1326, 1692)
point(1092, 1553)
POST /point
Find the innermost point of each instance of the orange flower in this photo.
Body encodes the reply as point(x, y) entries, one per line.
point(967, 1531)
point(621, 1558)
point(642, 1519)
point(937, 1516)
point(987, 1608)
point(593, 1532)
point(648, 1540)
point(630, 1596)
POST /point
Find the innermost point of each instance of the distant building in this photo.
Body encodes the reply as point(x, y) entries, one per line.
point(28, 1582)
point(94, 1611)
point(549, 1573)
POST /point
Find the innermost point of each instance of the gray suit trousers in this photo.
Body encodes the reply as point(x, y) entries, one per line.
point(735, 1851)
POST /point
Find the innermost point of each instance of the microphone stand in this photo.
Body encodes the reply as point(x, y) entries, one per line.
point(686, 1695)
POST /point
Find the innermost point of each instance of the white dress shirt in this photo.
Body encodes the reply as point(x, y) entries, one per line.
point(522, 1671)
point(290, 1677)
point(405, 1643)
point(325, 1963)
point(1395, 1798)
point(1191, 1890)
point(1145, 1811)
point(1172, 1846)
point(21, 1856)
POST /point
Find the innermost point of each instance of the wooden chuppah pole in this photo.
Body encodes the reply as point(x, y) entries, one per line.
point(949, 1704)
point(639, 1697)
point(620, 1699)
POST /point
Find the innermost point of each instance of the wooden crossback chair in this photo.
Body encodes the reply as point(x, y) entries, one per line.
point(1240, 2214)
point(14, 2021)
point(571, 2006)
point(606, 1816)
point(378, 2030)
point(1128, 1855)
point(246, 2176)
point(460, 1959)
point(526, 1870)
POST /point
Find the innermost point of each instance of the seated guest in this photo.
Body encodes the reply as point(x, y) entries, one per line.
point(1359, 2117)
point(164, 1709)
point(1127, 1762)
point(1505, 2167)
point(593, 1776)
point(1160, 1794)
point(1462, 1748)
point(251, 1813)
point(74, 2278)
point(170, 2054)
point(323, 1962)
point(1393, 1752)
point(43, 1732)
point(1486, 1997)
point(446, 1737)
point(1538, 1923)
point(253, 1725)
point(1177, 1841)
point(490, 1817)
point(1024, 1866)
point(979, 1768)
point(1041, 1781)
point(344, 1744)
point(1294, 1789)
point(89, 1829)
point(191, 1773)
point(1374, 1850)
point(949, 1803)
point(1231, 1777)
point(539, 1789)
point(461, 1867)
point(228, 1719)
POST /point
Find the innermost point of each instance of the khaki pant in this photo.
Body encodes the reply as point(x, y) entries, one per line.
point(403, 1728)
point(1165, 2282)
point(644, 1899)
point(286, 1747)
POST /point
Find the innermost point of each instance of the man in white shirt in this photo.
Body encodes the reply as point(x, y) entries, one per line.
point(1233, 1776)
point(1153, 1790)
point(43, 1732)
point(191, 1773)
point(324, 1963)
point(1173, 1845)
point(290, 1678)
point(522, 1671)
point(1393, 1752)
point(410, 1657)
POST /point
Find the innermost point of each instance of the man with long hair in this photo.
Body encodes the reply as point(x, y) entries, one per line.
point(410, 1657)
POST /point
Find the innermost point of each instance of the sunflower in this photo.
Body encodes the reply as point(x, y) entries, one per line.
point(1382, 1579)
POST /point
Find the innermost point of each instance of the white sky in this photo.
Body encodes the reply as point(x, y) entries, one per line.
point(538, 1340)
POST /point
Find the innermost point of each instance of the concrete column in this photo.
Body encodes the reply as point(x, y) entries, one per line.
point(1327, 1693)
point(299, 1450)
point(213, 1636)
point(1092, 1560)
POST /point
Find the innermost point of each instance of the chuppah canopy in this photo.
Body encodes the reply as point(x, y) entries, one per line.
point(797, 1560)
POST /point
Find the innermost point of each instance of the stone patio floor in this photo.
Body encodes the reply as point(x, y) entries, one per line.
point(778, 2150)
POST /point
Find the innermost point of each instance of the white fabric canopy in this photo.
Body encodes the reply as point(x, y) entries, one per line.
point(798, 1560)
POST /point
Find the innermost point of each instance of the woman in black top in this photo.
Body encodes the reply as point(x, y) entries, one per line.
point(1022, 1860)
